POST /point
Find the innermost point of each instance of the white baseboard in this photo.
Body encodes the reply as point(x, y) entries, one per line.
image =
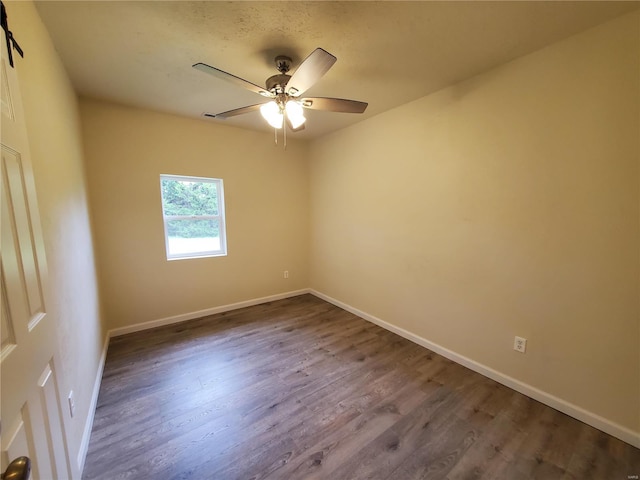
point(88, 426)
point(202, 313)
point(625, 434)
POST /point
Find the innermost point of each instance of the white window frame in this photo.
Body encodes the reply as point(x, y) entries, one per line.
point(222, 230)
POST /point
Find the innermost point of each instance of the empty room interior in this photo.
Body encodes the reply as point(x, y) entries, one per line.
point(328, 240)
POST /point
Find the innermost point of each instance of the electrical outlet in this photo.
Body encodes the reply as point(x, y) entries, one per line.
point(520, 344)
point(286, 274)
point(72, 404)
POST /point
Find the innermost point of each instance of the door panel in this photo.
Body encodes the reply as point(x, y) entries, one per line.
point(19, 214)
point(51, 413)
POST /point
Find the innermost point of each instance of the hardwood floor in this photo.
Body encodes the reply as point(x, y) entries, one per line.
point(300, 389)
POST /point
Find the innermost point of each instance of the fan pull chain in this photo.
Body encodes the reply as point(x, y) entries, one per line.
point(284, 127)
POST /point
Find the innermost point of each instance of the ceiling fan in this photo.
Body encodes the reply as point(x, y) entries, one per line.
point(284, 91)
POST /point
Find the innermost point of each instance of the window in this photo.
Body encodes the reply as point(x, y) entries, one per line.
point(193, 211)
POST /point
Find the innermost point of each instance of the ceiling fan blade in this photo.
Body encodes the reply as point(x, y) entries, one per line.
point(309, 72)
point(216, 72)
point(234, 112)
point(334, 104)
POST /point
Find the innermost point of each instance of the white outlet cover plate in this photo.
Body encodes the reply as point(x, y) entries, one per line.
point(520, 344)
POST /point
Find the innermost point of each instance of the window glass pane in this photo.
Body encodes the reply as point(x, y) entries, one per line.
point(190, 236)
point(185, 197)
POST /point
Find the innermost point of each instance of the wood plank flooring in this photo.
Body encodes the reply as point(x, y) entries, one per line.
point(300, 389)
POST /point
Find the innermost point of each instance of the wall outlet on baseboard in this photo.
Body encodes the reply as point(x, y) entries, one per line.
point(286, 274)
point(520, 344)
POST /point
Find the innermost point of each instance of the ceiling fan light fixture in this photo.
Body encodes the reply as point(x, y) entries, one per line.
point(295, 114)
point(272, 114)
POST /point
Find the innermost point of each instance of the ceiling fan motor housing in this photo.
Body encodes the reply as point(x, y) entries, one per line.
point(277, 83)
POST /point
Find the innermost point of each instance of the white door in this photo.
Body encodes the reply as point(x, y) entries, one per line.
point(30, 410)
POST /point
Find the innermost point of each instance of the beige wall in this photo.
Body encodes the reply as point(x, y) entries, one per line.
point(505, 205)
point(266, 197)
point(53, 126)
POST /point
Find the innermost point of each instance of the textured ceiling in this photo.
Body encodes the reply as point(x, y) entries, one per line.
point(389, 53)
